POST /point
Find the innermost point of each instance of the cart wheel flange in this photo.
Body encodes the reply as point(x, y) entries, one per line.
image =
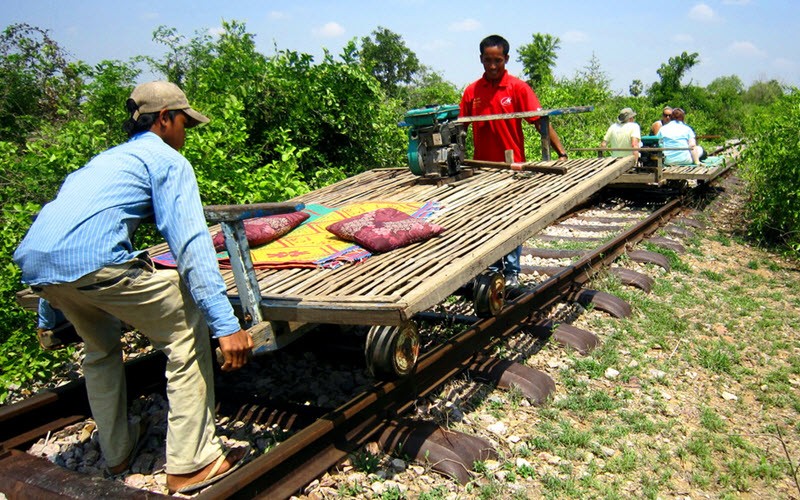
point(392, 351)
point(489, 292)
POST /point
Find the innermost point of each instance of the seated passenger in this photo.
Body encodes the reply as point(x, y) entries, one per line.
point(676, 134)
point(665, 117)
point(623, 134)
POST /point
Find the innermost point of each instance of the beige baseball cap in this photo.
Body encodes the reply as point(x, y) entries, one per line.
point(152, 97)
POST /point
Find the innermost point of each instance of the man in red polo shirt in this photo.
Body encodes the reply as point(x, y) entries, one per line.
point(497, 92)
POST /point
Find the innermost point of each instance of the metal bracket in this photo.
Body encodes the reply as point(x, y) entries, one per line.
point(231, 219)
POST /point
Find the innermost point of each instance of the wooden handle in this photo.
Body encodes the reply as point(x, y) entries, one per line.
point(523, 167)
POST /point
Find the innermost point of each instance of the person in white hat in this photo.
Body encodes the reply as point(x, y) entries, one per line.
point(625, 134)
point(78, 256)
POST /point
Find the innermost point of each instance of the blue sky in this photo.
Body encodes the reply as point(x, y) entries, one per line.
point(753, 39)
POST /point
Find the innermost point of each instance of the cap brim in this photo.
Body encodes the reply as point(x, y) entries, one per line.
point(197, 118)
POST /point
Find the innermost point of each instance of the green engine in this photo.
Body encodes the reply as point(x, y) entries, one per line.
point(435, 140)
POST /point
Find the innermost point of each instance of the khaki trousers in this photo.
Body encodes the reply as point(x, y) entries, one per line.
point(158, 305)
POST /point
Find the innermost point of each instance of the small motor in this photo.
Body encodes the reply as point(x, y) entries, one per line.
point(436, 141)
point(650, 158)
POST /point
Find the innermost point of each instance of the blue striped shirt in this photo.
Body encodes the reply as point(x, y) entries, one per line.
point(90, 223)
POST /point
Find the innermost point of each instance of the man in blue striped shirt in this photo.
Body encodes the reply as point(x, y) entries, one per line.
point(78, 255)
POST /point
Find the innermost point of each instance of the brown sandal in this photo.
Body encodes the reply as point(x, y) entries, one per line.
point(212, 476)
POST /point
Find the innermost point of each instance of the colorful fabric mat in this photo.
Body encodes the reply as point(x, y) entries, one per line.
point(311, 245)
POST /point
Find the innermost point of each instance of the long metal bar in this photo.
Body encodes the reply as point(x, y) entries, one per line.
point(526, 114)
point(244, 275)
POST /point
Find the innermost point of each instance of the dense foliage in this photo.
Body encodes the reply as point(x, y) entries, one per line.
point(772, 169)
point(286, 123)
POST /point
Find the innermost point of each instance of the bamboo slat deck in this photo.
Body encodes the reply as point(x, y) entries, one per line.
point(485, 216)
point(689, 172)
point(670, 172)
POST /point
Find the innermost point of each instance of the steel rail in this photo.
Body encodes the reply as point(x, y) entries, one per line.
point(316, 448)
point(311, 451)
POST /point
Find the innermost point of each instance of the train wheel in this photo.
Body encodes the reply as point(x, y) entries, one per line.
point(392, 351)
point(488, 294)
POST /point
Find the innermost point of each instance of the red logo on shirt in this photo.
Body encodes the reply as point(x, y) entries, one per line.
point(505, 101)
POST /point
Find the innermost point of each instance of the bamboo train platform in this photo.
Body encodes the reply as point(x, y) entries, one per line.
point(655, 173)
point(485, 216)
point(657, 176)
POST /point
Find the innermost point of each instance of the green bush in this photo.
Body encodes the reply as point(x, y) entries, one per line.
point(771, 166)
point(284, 124)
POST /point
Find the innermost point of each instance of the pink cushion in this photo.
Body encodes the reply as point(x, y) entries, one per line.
point(384, 229)
point(261, 230)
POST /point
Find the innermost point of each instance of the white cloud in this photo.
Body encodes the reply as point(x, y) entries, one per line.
point(329, 30)
point(278, 14)
point(747, 49)
point(465, 25)
point(575, 36)
point(701, 12)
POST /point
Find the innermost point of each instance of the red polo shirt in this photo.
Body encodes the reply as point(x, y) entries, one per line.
point(493, 138)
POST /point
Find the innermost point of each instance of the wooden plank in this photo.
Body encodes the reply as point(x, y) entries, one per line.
point(464, 269)
point(519, 167)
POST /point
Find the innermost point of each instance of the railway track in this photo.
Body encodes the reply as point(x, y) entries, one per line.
point(308, 439)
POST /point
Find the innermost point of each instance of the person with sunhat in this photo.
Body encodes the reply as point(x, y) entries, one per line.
point(624, 133)
point(78, 256)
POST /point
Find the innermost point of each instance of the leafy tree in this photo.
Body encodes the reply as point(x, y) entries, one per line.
point(593, 75)
point(729, 86)
point(636, 88)
point(725, 104)
point(538, 58)
point(763, 93)
point(37, 84)
point(107, 90)
point(431, 88)
point(388, 59)
point(183, 58)
point(772, 169)
point(671, 73)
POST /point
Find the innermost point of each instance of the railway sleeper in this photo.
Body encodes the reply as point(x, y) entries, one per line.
point(603, 301)
point(535, 385)
point(447, 452)
point(24, 476)
point(647, 257)
point(667, 243)
point(675, 230)
point(583, 341)
point(688, 222)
